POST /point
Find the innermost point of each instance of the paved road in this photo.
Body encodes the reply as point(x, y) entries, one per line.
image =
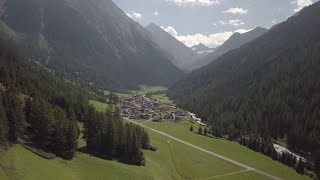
point(211, 153)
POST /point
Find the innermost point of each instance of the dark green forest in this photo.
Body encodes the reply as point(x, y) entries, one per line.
point(42, 110)
point(267, 89)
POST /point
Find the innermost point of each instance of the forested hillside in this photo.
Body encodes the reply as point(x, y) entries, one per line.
point(91, 40)
point(42, 110)
point(268, 88)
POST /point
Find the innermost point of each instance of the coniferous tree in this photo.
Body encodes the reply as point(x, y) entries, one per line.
point(66, 133)
point(15, 115)
point(136, 153)
point(110, 137)
point(316, 168)
point(43, 123)
point(191, 128)
point(205, 131)
point(4, 129)
point(27, 109)
point(72, 140)
point(89, 125)
point(200, 130)
point(145, 140)
point(300, 167)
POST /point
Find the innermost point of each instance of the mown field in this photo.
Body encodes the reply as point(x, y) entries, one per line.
point(172, 160)
point(227, 148)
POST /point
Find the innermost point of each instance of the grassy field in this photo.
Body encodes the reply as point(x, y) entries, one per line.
point(172, 160)
point(162, 98)
point(145, 89)
point(227, 148)
point(101, 107)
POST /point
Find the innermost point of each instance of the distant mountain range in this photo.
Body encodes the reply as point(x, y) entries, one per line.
point(234, 42)
point(202, 49)
point(89, 39)
point(182, 54)
point(199, 55)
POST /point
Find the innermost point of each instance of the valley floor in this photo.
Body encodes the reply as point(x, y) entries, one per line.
point(172, 160)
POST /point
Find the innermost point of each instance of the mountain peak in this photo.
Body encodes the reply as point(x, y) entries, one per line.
point(181, 53)
point(202, 45)
point(202, 49)
point(259, 29)
point(152, 25)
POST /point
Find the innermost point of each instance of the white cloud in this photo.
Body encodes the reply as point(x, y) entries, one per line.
point(236, 22)
point(233, 22)
point(156, 13)
point(134, 15)
point(301, 4)
point(184, 3)
point(236, 11)
point(171, 31)
point(212, 40)
point(242, 31)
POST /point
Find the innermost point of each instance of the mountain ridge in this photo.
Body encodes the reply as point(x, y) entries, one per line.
point(92, 40)
point(181, 53)
point(234, 42)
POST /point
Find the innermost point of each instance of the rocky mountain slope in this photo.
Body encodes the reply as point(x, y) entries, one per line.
point(89, 39)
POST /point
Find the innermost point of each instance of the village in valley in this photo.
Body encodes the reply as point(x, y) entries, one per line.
point(137, 107)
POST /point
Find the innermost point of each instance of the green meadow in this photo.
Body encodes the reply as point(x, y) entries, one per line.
point(172, 160)
point(102, 107)
point(232, 150)
point(143, 89)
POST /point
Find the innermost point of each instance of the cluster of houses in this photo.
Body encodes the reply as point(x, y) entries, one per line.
point(140, 107)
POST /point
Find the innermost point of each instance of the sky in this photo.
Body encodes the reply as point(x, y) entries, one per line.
point(210, 22)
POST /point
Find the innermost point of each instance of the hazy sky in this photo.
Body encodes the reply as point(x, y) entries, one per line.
point(210, 22)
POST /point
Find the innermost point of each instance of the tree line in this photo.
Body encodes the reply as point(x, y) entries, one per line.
point(109, 136)
point(42, 109)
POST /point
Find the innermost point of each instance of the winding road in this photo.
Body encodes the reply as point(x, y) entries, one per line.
point(248, 168)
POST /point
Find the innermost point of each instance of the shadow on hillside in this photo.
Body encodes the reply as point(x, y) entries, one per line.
point(85, 150)
point(38, 151)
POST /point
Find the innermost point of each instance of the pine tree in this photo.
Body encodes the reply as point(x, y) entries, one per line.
point(4, 129)
point(200, 130)
point(27, 109)
point(191, 128)
point(316, 168)
point(90, 128)
point(145, 140)
point(16, 119)
point(300, 167)
point(72, 140)
point(205, 132)
point(136, 153)
point(43, 123)
point(110, 137)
